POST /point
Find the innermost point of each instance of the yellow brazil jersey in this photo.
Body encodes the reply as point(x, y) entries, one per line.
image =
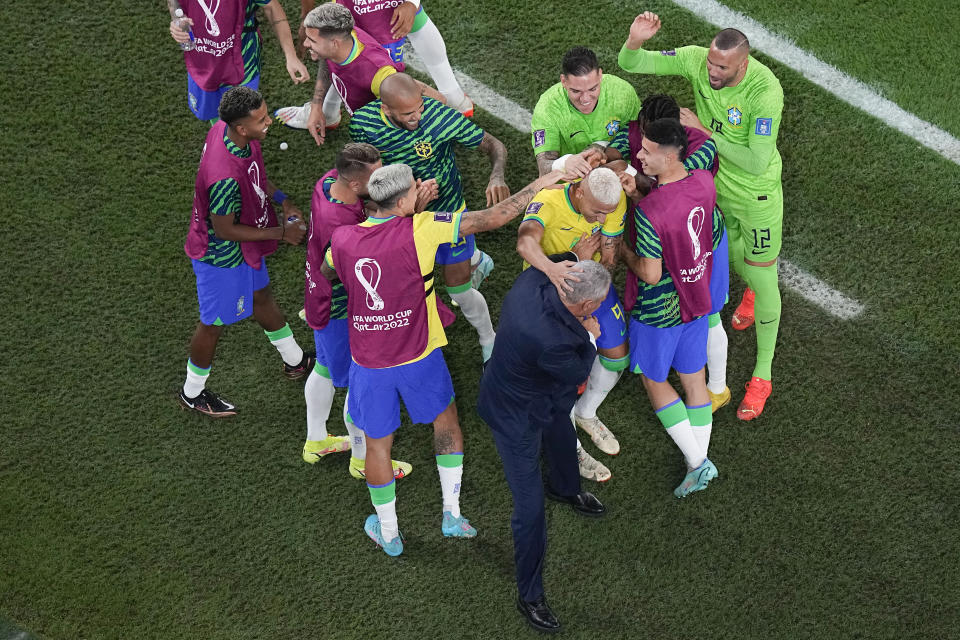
point(563, 226)
point(430, 230)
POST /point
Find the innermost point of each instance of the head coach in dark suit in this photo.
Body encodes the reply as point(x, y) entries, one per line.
point(544, 349)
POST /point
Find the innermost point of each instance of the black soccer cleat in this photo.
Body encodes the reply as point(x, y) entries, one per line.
point(208, 403)
point(302, 370)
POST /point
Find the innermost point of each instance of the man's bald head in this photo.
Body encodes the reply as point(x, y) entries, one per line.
point(402, 100)
point(398, 87)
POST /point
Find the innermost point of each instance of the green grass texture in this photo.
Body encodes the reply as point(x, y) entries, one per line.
point(122, 516)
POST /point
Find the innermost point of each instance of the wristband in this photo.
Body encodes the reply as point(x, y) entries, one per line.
point(558, 164)
point(415, 3)
point(630, 171)
point(279, 196)
point(602, 143)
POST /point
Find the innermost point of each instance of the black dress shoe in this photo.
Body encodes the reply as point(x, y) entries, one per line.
point(584, 503)
point(539, 615)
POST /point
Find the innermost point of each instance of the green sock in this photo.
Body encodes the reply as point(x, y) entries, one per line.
point(382, 494)
point(766, 313)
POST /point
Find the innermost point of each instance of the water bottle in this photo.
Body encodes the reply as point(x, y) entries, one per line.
point(184, 26)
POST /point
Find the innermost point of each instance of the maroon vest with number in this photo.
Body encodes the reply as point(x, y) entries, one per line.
point(682, 215)
point(352, 80)
point(695, 139)
point(386, 303)
point(217, 59)
point(256, 210)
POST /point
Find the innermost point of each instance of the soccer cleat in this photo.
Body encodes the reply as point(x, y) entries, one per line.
point(208, 403)
point(758, 390)
point(372, 527)
point(465, 107)
point(400, 469)
point(297, 117)
point(302, 314)
point(743, 316)
point(457, 527)
point(481, 270)
point(697, 479)
point(590, 468)
point(718, 400)
point(599, 433)
point(302, 370)
point(313, 450)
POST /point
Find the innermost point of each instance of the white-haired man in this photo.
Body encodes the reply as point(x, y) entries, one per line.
point(386, 265)
point(585, 217)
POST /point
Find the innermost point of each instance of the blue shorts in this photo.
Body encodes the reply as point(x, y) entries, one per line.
point(395, 48)
point(720, 276)
point(655, 350)
point(333, 351)
point(226, 294)
point(206, 104)
point(613, 328)
point(374, 400)
point(456, 253)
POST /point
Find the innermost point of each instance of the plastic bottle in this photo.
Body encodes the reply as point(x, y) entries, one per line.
point(183, 25)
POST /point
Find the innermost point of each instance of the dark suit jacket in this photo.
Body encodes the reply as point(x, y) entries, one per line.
point(541, 355)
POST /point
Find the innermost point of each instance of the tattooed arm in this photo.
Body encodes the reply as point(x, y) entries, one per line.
point(316, 124)
point(545, 161)
point(497, 189)
point(503, 212)
point(609, 251)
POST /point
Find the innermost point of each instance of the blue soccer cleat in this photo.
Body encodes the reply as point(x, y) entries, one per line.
point(457, 527)
point(372, 527)
point(482, 270)
point(697, 479)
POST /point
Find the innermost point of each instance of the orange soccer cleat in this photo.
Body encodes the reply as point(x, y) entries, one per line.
point(758, 390)
point(743, 316)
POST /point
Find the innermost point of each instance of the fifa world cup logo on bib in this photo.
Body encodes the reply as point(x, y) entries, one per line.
point(211, 22)
point(254, 174)
point(341, 90)
point(368, 273)
point(694, 225)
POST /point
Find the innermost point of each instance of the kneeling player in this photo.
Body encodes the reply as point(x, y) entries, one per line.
point(673, 257)
point(587, 218)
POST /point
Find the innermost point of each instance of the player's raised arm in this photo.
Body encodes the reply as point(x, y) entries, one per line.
point(503, 212)
point(633, 57)
point(497, 188)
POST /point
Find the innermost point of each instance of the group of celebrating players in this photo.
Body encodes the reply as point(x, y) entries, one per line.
point(671, 193)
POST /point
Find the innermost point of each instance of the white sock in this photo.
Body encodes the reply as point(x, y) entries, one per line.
point(195, 381)
point(717, 359)
point(432, 50)
point(474, 307)
point(318, 392)
point(702, 434)
point(389, 527)
point(599, 384)
point(450, 478)
point(682, 435)
point(289, 350)
point(358, 440)
point(331, 106)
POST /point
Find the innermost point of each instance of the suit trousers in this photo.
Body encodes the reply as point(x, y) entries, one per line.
point(520, 446)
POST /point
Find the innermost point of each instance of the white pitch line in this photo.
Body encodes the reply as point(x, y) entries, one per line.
point(843, 86)
point(809, 287)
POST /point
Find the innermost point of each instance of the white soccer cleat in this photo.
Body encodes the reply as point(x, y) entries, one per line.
point(297, 117)
point(599, 433)
point(590, 468)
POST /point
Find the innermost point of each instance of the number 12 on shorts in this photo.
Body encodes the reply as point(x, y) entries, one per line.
point(761, 238)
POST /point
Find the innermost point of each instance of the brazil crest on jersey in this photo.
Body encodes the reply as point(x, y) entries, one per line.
point(427, 150)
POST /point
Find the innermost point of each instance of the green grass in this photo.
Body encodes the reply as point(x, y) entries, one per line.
point(123, 517)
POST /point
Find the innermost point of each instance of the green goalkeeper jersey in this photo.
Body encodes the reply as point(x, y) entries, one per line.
point(558, 126)
point(745, 118)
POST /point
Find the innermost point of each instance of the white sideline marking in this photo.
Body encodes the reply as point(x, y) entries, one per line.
point(843, 86)
point(809, 288)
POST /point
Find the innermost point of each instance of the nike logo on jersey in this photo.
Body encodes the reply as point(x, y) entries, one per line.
point(576, 132)
point(566, 228)
point(705, 97)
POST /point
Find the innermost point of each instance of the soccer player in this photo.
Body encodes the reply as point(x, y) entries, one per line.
point(391, 24)
point(585, 217)
point(386, 265)
point(232, 230)
point(701, 154)
point(227, 51)
point(420, 132)
point(352, 67)
point(677, 225)
point(338, 199)
point(585, 107)
point(739, 101)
